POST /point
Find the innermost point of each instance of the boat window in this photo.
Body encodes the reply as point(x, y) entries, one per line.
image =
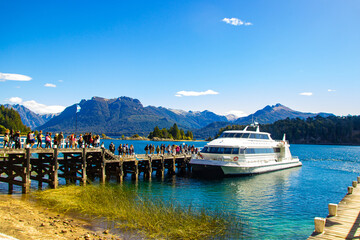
point(232, 135)
point(245, 135)
point(258, 150)
point(227, 150)
point(205, 150)
point(252, 135)
point(249, 151)
point(238, 135)
point(265, 136)
point(215, 150)
point(220, 150)
point(277, 150)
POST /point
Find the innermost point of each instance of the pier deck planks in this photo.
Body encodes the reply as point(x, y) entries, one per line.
point(347, 222)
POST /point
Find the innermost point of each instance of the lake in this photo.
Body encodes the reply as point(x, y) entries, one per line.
point(274, 205)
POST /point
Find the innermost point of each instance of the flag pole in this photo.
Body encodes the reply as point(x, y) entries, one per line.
point(76, 122)
point(77, 110)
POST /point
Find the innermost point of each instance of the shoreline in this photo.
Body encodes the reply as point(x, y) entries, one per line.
point(22, 218)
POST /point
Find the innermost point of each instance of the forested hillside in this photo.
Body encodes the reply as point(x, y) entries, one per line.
point(10, 119)
point(316, 130)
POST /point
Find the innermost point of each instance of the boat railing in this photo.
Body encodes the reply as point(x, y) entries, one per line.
point(281, 141)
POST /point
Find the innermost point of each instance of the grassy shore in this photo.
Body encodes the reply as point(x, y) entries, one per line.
point(131, 212)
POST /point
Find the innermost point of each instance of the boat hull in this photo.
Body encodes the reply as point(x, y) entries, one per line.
point(211, 168)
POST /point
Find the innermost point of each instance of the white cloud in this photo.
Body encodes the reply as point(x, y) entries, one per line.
point(61, 80)
point(50, 85)
point(13, 77)
point(15, 100)
point(306, 94)
point(237, 113)
point(37, 107)
point(331, 90)
point(236, 22)
point(195, 94)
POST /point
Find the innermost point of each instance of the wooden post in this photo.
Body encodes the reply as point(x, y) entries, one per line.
point(332, 209)
point(150, 168)
point(358, 179)
point(26, 187)
point(162, 170)
point(40, 171)
point(319, 224)
point(173, 165)
point(103, 165)
point(120, 172)
point(84, 176)
point(135, 175)
point(354, 184)
point(66, 169)
point(350, 190)
point(10, 174)
point(55, 177)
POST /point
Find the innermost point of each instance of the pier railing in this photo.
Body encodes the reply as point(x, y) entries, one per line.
point(82, 165)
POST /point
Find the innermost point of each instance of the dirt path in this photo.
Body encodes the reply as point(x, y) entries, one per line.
point(25, 220)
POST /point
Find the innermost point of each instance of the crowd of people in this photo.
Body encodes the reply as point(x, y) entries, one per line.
point(12, 140)
point(151, 149)
point(88, 140)
point(170, 149)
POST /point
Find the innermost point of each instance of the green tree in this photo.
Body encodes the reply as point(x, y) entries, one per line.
point(175, 132)
point(157, 132)
point(10, 119)
point(189, 135)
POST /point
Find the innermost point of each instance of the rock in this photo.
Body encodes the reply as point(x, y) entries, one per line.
point(63, 231)
point(42, 225)
point(106, 231)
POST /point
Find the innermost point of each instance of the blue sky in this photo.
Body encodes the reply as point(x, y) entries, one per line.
point(221, 56)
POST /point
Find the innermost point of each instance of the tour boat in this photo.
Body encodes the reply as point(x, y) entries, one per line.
point(243, 152)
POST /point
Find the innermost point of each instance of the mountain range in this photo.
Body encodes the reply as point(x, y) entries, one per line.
point(128, 116)
point(28, 117)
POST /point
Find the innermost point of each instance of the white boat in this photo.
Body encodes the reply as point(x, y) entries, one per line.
point(243, 152)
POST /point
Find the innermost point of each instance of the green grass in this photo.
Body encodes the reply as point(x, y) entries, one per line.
point(131, 212)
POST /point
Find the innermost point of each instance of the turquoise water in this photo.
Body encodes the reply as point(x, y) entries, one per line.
point(274, 205)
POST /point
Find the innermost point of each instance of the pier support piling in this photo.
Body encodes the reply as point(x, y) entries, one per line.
point(26, 187)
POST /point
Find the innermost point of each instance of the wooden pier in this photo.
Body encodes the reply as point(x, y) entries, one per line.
point(344, 218)
point(21, 166)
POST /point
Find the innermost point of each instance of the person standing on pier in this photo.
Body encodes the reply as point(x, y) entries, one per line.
point(17, 140)
point(112, 147)
point(157, 150)
point(48, 140)
point(11, 138)
point(6, 140)
point(60, 139)
point(120, 149)
point(32, 139)
point(39, 137)
point(147, 149)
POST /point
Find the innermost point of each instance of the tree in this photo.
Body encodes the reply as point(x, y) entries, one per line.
point(189, 135)
point(175, 132)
